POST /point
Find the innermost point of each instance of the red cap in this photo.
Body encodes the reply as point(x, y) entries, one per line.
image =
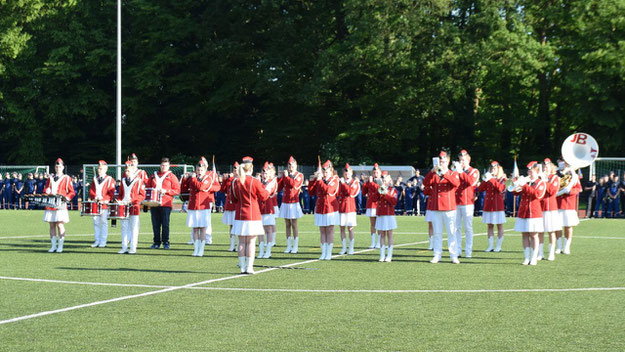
point(266, 166)
point(236, 164)
point(494, 163)
point(60, 161)
point(442, 154)
point(532, 164)
point(133, 156)
point(384, 173)
point(327, 164)
point(376, 166)
point(203, 162)
point(292, 160)
point(128, 163)
point(102, 162)
point(248, 160)
point(463, 152)
point(347, 166)
point(547, 161)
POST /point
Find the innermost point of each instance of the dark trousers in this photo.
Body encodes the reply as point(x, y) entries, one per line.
point(160, 220)
point(590, 210)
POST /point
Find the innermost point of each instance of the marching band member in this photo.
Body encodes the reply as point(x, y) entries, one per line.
point(530, 216)
point(370, 188)
point(131, 193)
point(165, 182)
point(465, 195)
point(567, 207)
point(135, 167)
point(290, 210)
point(184, 189)
point(101, 190)
point(230, 206)
point(552, 220)
point(326, 187)
point(201, 183)
point(348, 191)
point(444, 183)
point(247, 191)
point(267, 210)
point(60, 185)
point(385, 223)
point(494, 184)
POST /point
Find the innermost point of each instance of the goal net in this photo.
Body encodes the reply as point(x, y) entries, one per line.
point(603, 166)
point(23, 169)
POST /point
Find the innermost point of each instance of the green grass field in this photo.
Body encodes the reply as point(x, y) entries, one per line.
point(351, 303)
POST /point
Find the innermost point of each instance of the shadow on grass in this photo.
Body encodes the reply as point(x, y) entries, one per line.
point(143, 270)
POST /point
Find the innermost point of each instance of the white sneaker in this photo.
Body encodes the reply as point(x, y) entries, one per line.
point(533, 261)
point(558, 251)
point(539, 258)
point(132, 251)
point(435, 260)
point(455, 261)
point(102, 245)
point(489, 249)
point(566, 251)
point(343, 251)
point(526, 261)
point(387, 259)
point(95, 244)
point(123, 251)
point(52, 249)
point(59, 248)
point(209, 239)
point(497, 249)
point(551, 257)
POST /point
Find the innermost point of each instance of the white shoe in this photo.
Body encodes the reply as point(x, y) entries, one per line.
point(132, 251)
point(351, 247)
point(196, 248)
point(190, 242)
point(566, 250)
point(435, 260)
point(102, 245)
point(232, 246)
point(372, 245)
point(389, 254)
point(329, 251)
point(261, 250)
point(382, 253)
point(201, 246)
point(123, 251)
point(558, 251)
point(250, 266)
point(295, 248)
point(289, 240)
point(551, 257)
point(324, 246)
point(95, 244)
point(455, 261)
point(242, 264)
point(59, 248)
point(526, 261)
point(209, 239)
point(268, 251)
point(53, 247)
point(539, 258)
point(489, 249)
point(533, 261)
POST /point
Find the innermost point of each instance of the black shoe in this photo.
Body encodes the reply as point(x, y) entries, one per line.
point(155, 246)
point(166, 246)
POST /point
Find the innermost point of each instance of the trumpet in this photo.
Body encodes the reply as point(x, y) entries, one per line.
point(487, 176)
point(515, 185)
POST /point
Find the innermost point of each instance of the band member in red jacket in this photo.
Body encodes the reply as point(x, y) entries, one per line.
point(267, 210)
point(348, 191)
point(102, 191)
point(135, 169)
point(131, 193)
point(530, 215)
point(247, 192)
point(465, 195)
point(370, 188)
point(326, 186)
point(58, 185)
point(184, 191)
point(443, 183)
point(385, 223)
point(567, 205)
point(494, 184)
point(230, 206)
point(165, 182)
point(552, 221)
point(290, 210)
point(202, 185)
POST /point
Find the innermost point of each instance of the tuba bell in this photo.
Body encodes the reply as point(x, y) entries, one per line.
point(578, 150)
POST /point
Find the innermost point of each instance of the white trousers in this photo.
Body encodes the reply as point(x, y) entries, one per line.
point(101, 226)
point(464, 216)
point(130, 232)
point(444, 220)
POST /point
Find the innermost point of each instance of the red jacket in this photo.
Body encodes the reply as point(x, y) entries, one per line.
point(136, 196)
point(169, 183)
point(549, 203)
point(202, 190)
point(247, 195)
point(347, 192)
point(64, 187)
point(142, 175)
point(569, 201)
point(494, 197)
point(230, 204)
point(326, 195)
point(443, 194)
point(370, 188)
point(386, 203)
point(531, 194)
point(107, 190)
point(266, 206)
point(465, 193)
point(291, 186)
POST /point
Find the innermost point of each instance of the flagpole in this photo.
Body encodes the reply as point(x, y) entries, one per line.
point(513, 196)
point(118, 142)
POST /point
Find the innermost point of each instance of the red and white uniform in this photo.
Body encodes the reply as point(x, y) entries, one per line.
point(247, 192)
point(385, 211)
point(102, 190)
point(201, 198)
point(267, 209)
point(443, 208)
point(530, 214)
point(230, 205)
point(348, 191)
point(427, 192)
point(494, 210)
point(291, 186)
point(552, 221)
point(142, 175)
point(168, 182)
point(62, 186)
point(327, 206)
point(465, 196)
point(567, 204)
point(370, 188)
point(132, 194)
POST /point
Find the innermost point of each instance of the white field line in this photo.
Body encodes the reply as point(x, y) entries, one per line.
point(521, 290)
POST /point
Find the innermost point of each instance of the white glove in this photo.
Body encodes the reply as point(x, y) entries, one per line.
point(487, 176)
point(521, 181)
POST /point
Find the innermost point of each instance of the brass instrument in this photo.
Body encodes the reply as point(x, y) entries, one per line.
point(487, 176)
point(516, 184)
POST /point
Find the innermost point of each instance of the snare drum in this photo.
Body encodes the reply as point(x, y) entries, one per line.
point(89, 208)
point(118, 211)
point(52, 201)
point(153, 198)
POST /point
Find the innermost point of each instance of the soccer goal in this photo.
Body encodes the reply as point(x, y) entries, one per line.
point(603, 166)
point(24, 169)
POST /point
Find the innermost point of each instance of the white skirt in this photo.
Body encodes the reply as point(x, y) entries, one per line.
point(290, 211)
point(529, 225)
point(198, 218)
point(348, 219)
point(385, 223)
point(328, 219)
point(429, 216)
point(60, 215)
point(248, 228)
point(228, 217)
point(552, 221)
point(494, 217)
point(371, 212)
point(569, 217)
point(269, 219)
point(276, 210)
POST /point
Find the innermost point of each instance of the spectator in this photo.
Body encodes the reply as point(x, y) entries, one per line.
point(591, 188)
point(602, 194)
point(613, 197)
point(622, 188)
point(399, 187)
point(409, 192)
point(78, 190)
point(29, 188)
point(14, 200)
point(304, 198)
point(1, 192)
point(418, 203)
